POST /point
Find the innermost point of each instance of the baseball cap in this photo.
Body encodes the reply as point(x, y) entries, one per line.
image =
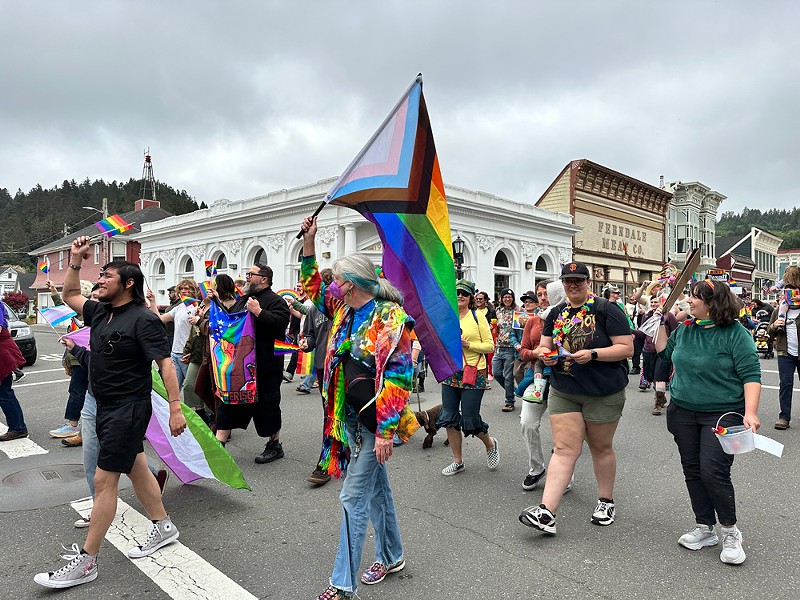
point(574, 269)
point(465, 285)
point(529, 295)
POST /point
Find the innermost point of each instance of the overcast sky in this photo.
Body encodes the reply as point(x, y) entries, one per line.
point(237, 99)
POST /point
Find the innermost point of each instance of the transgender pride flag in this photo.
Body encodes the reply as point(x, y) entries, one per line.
point(194, 454)
point(395, 183)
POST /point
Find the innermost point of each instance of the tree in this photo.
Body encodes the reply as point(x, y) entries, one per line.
point(18, 301)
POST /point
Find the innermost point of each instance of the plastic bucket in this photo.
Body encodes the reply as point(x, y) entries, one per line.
point(737, 439)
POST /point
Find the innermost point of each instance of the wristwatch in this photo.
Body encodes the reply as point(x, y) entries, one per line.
point(594, 354)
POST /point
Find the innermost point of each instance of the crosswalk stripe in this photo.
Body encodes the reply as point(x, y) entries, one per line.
point(22, 385)
point(19, 448)
point(27, 372)
point(179, 572)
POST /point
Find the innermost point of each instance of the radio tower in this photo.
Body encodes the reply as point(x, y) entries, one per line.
point(148, 179)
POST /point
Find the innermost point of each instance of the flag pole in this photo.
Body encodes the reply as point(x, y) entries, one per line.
point(49, 323)
point(351, 167)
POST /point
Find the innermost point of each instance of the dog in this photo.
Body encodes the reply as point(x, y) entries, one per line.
point(427, 420)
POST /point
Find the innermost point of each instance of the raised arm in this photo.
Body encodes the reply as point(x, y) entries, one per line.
point(71, 293)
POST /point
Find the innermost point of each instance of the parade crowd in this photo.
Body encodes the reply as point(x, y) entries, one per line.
point(558, 350)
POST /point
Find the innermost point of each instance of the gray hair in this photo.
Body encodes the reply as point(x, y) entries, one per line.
point(555, 296)
point(361, 271)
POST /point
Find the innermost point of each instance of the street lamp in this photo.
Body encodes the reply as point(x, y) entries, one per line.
point(458, 256)
point(103, 212)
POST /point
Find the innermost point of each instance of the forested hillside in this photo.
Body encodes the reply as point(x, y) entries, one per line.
point(783, 223)
point(32, 219)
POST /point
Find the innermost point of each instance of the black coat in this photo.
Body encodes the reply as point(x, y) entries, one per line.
point(270, 325)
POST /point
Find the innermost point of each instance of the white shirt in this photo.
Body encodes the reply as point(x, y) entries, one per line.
point(791, 330)
point(180, 316)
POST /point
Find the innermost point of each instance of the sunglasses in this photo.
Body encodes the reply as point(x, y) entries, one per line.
point(463, 293)
point(108, 346)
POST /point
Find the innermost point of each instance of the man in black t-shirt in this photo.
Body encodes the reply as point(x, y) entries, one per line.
point(125, 339)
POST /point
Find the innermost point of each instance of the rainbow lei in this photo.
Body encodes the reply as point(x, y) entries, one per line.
point(563, 323)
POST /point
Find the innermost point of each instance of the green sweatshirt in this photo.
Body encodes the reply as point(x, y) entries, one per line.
point(711, 367)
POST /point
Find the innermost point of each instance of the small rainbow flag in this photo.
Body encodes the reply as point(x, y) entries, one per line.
point(190, 301)
point(44, 266)
point(113, 225)
point(211, 268)
point(73, 326)
point(285, 348)
point(558, 353)
point(305, 363)
point(239, 292)
point(287, 292)
point(204, 286)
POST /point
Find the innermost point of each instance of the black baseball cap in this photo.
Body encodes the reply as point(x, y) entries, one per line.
point(529, 295)
point(574, 269)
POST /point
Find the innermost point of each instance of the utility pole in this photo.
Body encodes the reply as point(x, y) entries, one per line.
point(105, 237)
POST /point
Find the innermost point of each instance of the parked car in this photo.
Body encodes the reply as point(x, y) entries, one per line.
point(22, 334)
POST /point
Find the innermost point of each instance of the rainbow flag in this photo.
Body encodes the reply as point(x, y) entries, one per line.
point(558, 353)
point(395, 183)
point(211, 268)
point(57, 314)
point(239, 292)
point(204, 287)
point(44, 266)
point(287, 292)
point(113, 225)
point(194, 454)
point(232, 339)
point(305, 363)
point(73, 326)
point(190, 301)
point(285, 348)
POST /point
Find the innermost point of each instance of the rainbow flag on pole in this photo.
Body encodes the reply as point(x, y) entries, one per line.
point(194, 454)
point(113, 225)
point(211, 268)
point(395, 183)
point(44, 266)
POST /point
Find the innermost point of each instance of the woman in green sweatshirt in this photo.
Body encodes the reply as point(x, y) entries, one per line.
point(716, 371)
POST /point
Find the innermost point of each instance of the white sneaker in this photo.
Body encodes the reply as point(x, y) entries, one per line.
point(83, 522)
point(603, 513)
point(453, 469)
point(81, 568)
point(160, 534)
point(699, 537)
point(732, 551)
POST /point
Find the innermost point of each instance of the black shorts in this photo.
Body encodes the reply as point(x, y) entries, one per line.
point(266, 413)
point(121, 425)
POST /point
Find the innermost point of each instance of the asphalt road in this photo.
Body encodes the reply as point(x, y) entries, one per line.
point(461, 534)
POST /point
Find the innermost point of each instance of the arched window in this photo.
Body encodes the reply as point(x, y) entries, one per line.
point(189, 266)
point(222, 262)
point(160, 267)
point(541, 264)
point(260, 257)
point(501, 260)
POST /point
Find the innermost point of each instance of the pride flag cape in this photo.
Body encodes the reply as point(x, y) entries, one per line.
point(211, 268)
point(57, 314)
point(233, 355)
point(285, 348)
point(395, 183)
point(113, 225)
point(194, 454)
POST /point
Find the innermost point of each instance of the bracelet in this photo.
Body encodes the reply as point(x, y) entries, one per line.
point(77, 268)
point(171, 401)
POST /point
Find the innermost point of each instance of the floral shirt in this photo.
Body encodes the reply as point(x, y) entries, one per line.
point(505, 327)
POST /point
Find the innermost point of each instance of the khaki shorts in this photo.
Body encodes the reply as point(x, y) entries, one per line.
point(595, 409)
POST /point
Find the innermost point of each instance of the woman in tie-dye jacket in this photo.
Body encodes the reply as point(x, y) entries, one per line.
point(370, 326)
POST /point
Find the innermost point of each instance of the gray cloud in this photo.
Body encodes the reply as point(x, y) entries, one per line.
point(240, 98)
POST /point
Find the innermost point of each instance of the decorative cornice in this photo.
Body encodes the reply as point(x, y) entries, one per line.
point(144, 259)
point(275, 242)
point(232, 246)
point(169, 254)
point(529, 249)
point(199, 251)
point(599, 181)
point(564, 255)
point(327, 235)
point(485, 242)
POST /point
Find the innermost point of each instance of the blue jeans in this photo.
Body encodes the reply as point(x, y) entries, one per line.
point(503, 370)
point(526, 381)
point(308, 381)
point(365, 496)
point(78, 386)
point(180, 367)
point(787, 367)
point(10, 406)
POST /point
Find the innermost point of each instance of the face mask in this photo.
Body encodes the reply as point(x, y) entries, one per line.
point(336, 291)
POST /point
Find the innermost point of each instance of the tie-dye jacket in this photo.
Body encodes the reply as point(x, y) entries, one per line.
point(385, 336)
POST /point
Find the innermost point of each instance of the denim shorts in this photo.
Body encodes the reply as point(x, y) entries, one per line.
point(595, 409)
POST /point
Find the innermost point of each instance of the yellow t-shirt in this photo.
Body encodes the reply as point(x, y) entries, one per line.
point(480, 339)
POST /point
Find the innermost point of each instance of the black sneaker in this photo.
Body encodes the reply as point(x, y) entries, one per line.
point(272, 451)
point(539, 518)
point(635, 371)
point(19, 375)
point(531, 481)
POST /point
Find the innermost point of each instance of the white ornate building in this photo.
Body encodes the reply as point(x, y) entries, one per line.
point(507, 243)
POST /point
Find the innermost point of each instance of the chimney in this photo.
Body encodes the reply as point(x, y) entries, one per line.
point(661, 182)
point(141, 204)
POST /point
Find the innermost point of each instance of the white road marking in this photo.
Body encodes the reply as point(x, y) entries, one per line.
point(51, 357)
point(22, 385)
point(775, 387)
point(182, 574)
point(21, 447)
point(767, 371)
point(43, 371)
